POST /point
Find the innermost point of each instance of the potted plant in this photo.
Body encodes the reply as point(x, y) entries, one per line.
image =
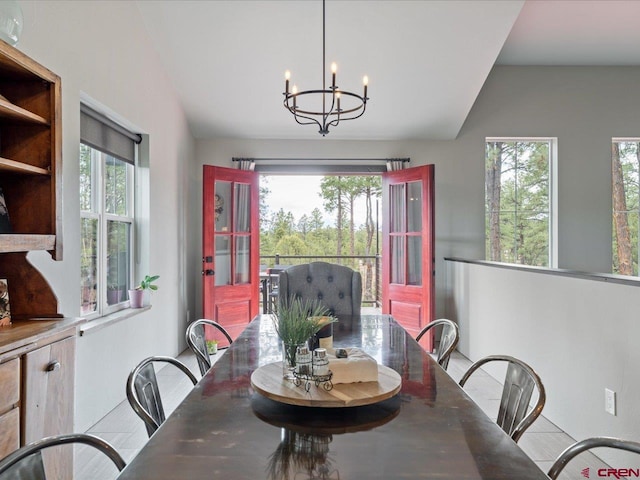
point(136, 295)
point(114, 293)
point(295, 323)
point(212, 346)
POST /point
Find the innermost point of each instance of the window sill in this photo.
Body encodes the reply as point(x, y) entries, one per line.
point(99, 323)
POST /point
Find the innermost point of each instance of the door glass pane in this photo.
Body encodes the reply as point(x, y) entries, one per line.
point(396, 207)
point(222, 206)
point(414, 265)
point(118, 273)
point(414, 207)
point(242, 207)
point(116, 182)
point(397, 260)
point(88, 265)
point(242, 259)
point(223, 261)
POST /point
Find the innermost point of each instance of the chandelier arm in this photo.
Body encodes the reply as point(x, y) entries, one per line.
point(331, 112)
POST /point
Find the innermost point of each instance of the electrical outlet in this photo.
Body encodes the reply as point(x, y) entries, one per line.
point(609, 401)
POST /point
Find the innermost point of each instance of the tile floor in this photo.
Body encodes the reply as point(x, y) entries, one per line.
point(543, 441)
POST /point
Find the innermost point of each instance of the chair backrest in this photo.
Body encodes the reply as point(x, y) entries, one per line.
point(519, 384)
point(449, 337)
point(336, 287)
point(588, 444)
point(143, 393)
point(195, 336)
point(26, 462)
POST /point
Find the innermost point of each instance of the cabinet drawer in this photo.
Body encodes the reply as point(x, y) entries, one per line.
point(10, 428)
point(9, 384)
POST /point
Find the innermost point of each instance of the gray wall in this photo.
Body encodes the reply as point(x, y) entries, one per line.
point(100, 51)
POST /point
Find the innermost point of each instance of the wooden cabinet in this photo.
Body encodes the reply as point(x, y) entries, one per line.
point(36, 356)
point(37, 367)
point(47, 401)
point(30, 178)
point(9, 406)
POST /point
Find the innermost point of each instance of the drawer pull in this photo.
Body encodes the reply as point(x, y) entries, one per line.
point(53, 366)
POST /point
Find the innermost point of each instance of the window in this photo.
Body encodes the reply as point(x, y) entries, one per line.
point(625, 155)
point(517, 200)
point(107, 218)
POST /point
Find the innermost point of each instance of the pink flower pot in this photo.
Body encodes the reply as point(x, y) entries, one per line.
point(136, 298)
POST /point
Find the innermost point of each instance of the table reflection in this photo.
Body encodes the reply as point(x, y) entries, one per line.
point(306, 434)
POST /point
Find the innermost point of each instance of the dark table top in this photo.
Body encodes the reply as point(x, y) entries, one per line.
point(431, 429)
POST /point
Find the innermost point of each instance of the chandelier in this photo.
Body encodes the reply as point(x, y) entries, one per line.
point(332, 113)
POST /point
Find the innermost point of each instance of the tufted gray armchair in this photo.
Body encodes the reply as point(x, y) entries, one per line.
point(337, 288)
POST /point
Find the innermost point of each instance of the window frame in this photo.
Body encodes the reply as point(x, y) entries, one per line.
point(634, 246)
point(98, 212)
point(552, 228)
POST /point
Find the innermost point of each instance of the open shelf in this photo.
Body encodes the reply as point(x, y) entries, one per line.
point(19, 167)
point(16, 113)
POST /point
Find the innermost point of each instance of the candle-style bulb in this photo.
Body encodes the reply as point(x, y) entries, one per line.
point(334, 68)
point(294, 90)
point(365, 80)
point(287, 75)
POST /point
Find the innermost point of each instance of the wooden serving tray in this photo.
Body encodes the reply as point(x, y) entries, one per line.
point(267, 380)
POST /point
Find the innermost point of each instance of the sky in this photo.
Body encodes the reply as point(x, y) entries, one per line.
point(299, 194)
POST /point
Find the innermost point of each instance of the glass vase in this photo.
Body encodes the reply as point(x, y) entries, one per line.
point(289, 359)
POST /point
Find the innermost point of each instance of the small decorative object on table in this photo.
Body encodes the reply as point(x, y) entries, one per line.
point(318, 372)
point(5, 310)
point(296, 322)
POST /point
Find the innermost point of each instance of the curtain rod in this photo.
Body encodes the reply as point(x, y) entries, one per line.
point(241, 159)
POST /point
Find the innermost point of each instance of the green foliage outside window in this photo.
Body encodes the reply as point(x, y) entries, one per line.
point(517, 201)
point(625, 200)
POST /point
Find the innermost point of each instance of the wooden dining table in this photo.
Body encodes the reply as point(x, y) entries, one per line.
point(430, 429)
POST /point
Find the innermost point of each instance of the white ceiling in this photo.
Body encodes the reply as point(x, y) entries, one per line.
point(426, 60)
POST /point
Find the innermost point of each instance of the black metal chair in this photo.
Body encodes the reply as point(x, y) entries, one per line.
point(196, 341)
point(143, 392)
point(449, 337)
point(588, 444)
point(519, 383)
point(26, 462)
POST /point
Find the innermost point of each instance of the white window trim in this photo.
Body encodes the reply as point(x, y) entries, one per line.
point(553, 188)
point(98, 200)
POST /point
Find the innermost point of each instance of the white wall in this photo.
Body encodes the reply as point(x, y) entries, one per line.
point(101, 49)
point(579, 335)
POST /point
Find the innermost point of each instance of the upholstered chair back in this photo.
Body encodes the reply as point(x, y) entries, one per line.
point(336, 287)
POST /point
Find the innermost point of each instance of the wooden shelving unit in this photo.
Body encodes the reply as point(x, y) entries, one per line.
point(30, 169)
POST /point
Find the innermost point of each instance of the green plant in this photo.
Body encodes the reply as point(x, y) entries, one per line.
point(211, 345)
point(297, 321)
point(147, 283)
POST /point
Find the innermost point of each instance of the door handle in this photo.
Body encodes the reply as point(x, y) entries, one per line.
point(55, 365)
point(208, 272)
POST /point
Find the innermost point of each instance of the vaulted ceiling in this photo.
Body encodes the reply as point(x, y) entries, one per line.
point(427, 60)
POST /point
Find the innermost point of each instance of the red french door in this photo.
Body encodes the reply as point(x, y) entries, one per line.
point(230, 248)
point(408, 286)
